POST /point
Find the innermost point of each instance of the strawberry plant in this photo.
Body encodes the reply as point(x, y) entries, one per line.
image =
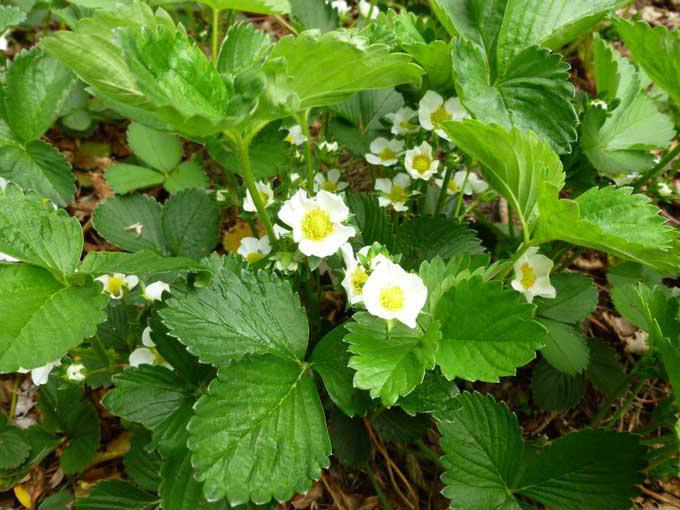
point(258, 252)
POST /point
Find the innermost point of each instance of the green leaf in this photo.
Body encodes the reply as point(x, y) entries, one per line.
point(40, 167)
point(315, 14)
point(41, 445)
point(36, 88)
point(487, 331)
point(565, 349)
point(139, 263)
point(141, 465)
point(373, 222)
point(390, 364)
point(435, 395)
point(576, 298)
point(330, 360)
point(516, 164)
point(124, 178)
point(326, 69)
point(488, 465)
point(239, 313)
point(59, 501)
point(554, 390)
point(605, 370)
point(351, 444)
point(10, 16)
point(179, 490)
point(190, 224)
point(613, 220)
point(656, 51)
point(155, 397)
point(159, 150)
point(47, 317)
point(119, 495)
point(367, 108)
point(426, 237)
point(187, 175)
point(260, 432)
point(534, 76)
point(395, 426)
point(36, 233)
point(256, 6)
point(14, 449)
point(243, 45)
point(620, 142)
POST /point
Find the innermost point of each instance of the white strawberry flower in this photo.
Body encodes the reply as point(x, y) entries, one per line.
point(295, 135)
point(116, 283)
point(317, 222)
point(433, 111)
point(154, 291)
point(331, 181)
point(385, 152)
point(266, 195)
point(394, 192)
point(392, 293)
point(355, 273)
point(474, 183)
point(40, 375)
point(419, 162)
point(532, 275)
point(253, 249)
point(366, 9)
point(401, 121)
point(329, 146)
point(341, 6)
point(76, 372)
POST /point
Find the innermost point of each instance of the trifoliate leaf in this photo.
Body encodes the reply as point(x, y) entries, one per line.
point(14, 449)
point(256, 6)
point(488, 465)
point(139, 263)
point(119, 495)
point(390, 361)
point(47, 317)
point(155, 397)
point(605, 370)
point(10, 16)
point(330, 359)
point(260, 432)
point(656, 51)
point(326, 69)
point(516, 164)
point(535, 76)
point(142, 465)
point(123, 177)
point(36, 88)
point(33, 231)
point(487, 331)
point(179, 490)
point(159, 150)
point(554, 390)
point(564, 349)
point(242, 46)
point(613, 220)
point(238, 314)
point(576, 298)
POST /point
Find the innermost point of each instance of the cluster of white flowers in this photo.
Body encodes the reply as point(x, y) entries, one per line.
point(116, 284)
point(468, 183)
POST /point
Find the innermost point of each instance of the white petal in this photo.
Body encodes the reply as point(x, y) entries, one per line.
point(154, 291)
point(146, 338)
point(402, 180)
point(384, 185)
point(141, 356)
point(334, 205)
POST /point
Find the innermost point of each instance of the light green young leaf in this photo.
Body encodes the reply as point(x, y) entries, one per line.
point(123, 177)
point(554, 390)
point(260, 432)
point(119, 495)
point(33, 231)
point(565, 349)
point(159, 150)
point(256, 6)
point(487, 331)
point(139, 263)
point(656, 50)
point(242, 47)
point(613, 220)
point(10, 16)
point(36, 88)
point(238, 314)
point(576, 298)
point(390, 364)
point(47, 318)
point(516, 164)
point(40, 167)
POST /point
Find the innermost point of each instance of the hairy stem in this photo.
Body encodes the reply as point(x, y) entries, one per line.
point(303, 119)
point(659, 168)
point(215, 34)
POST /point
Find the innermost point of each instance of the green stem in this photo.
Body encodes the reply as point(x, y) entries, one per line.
point(231, 14)
point(628, 402)
point(101, 350)
point(511, 223)
point(242, 148)
point(303, 119)
point(659, 168)
point(215, 34)
point(520, 251)
point(378, 490)
point(427, 452)
point(442, 192)
point(462, 193)
point(13, 404)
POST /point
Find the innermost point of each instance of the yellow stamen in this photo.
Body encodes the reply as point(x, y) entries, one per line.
point(397, 194)
point(421, 163)
point(358, 279)
point(115, 286)
point(329, 186)
point(392, 298)
point(254, 256)
point(528, 276)
point(440, 115)
point(316, 225)
point(386, 154)
point(453, 187)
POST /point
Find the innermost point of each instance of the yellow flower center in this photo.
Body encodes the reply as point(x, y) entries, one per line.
point(288, 139)
point(386, 154)
point(528, 276)
point(453, 187)
point(115, 286)
point(421, 163)
point(254, 256)
point(392, 298)
point(440, 115)
point(316, 225)
point(406, 124)
point(264, 197)
point(358, 279)
point(329, 186)
point(397, 194)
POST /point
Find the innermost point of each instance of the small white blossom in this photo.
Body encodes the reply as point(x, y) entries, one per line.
point(76, 372)
point(295, 135)
point(532, 275)
point(385, 152)
point(7, 258)
point(141, 356)
point(433, 112)
point(663, 188)
point(394, 192)
point(266, 195)
point(419, 162)
point(317, 222)
point(253, 249)
point(329, 146)
point(222, 195)
point(115, 284)
point(365, 9)
point(154, 291)
point(331, 181)
point(622, 179)
point(401, 121)
point(136, 227)
point(40, 375)
point(392, 293)
point(355, 274)
point(340, 6)
point(474, 183)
